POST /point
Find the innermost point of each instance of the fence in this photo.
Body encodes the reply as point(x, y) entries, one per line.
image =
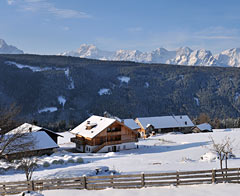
point(231, 175)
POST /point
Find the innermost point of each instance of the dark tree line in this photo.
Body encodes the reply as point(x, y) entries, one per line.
point(217, 123)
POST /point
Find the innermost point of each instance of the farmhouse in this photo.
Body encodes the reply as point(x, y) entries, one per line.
point(34, 144)
point(27, 128)
point(164, 124)
point(101, 134)
point(205, 127)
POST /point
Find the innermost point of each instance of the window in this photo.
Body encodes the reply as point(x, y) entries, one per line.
point(114, 129)
point(124, 147)
point(119, 147)
point(109, 149)
point(185, 122)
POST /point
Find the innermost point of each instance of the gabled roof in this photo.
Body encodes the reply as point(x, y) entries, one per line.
point(160, 122)
point(26, 127)
point(99, 124)
point(204, 126)
point(41, 141)
point(131, 124)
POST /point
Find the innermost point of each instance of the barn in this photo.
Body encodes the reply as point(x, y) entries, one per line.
point(164, 124)
point(33, 144)
point(26, 127)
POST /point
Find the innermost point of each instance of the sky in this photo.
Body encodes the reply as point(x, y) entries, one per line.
point(55, 26)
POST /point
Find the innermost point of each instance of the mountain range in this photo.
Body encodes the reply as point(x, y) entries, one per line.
point(181, 56)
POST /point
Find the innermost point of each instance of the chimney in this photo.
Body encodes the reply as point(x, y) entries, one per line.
point(88, 126)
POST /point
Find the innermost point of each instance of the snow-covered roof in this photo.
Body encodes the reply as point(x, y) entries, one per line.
point(204, 126)
point(26, 127)
point(131, 124)
point(160, 122)
point(40, 139)
point(100, 123)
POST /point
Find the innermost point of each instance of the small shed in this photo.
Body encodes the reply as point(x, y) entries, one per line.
point(205, 127)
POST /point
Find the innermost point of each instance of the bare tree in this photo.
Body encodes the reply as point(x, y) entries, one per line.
point(228, 150)
point(8, 117)
point(16, 141)
point(28, 165)
point(224, 150)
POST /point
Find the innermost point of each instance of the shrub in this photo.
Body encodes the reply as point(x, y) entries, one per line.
point(79, 160)
point(71, 161)
point(55, 162)
point(60, 161)
point(46, 164)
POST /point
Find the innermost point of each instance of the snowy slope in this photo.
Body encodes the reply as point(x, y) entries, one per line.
point(167, 152)
point(195, 190)
point(8, 49)
point(181, 56)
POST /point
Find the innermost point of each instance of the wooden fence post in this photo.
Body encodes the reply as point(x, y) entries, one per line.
point(4, 189)
point(32, 185)
point(84, 182)
point(238, 175)
point(177, 177)
point(142, 179)
point(112, 180)
point(29, 188)
point(214, 176)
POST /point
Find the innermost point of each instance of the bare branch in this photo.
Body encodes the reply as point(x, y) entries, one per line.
point(28, 165)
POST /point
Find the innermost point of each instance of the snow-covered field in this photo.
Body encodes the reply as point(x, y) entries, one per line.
point(167, 152)
point(198, 190)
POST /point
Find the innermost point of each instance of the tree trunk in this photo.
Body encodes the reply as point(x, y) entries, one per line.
point(226, 165)
point(221, 163)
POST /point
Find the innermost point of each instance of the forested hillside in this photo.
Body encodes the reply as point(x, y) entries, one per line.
point(54, 88)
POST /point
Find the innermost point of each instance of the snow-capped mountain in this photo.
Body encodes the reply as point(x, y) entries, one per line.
point(8, 49)
point(181, 56)
point(90, 51)
point(229, 57)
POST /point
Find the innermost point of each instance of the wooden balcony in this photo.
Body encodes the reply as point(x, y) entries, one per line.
point(78, 141)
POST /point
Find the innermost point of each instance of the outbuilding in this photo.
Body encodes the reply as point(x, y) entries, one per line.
point(164, 124)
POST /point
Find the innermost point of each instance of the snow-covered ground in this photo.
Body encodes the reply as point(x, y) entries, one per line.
point(197, 101)
point(32, 68)
point(104, 91)
point(146, 85)
point(61, 100)
point(48, 109)
point(40, 69)
point(167, 152)
point(195, 190)
point(124, 79)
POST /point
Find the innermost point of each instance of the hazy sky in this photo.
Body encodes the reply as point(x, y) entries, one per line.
point(54, 26)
